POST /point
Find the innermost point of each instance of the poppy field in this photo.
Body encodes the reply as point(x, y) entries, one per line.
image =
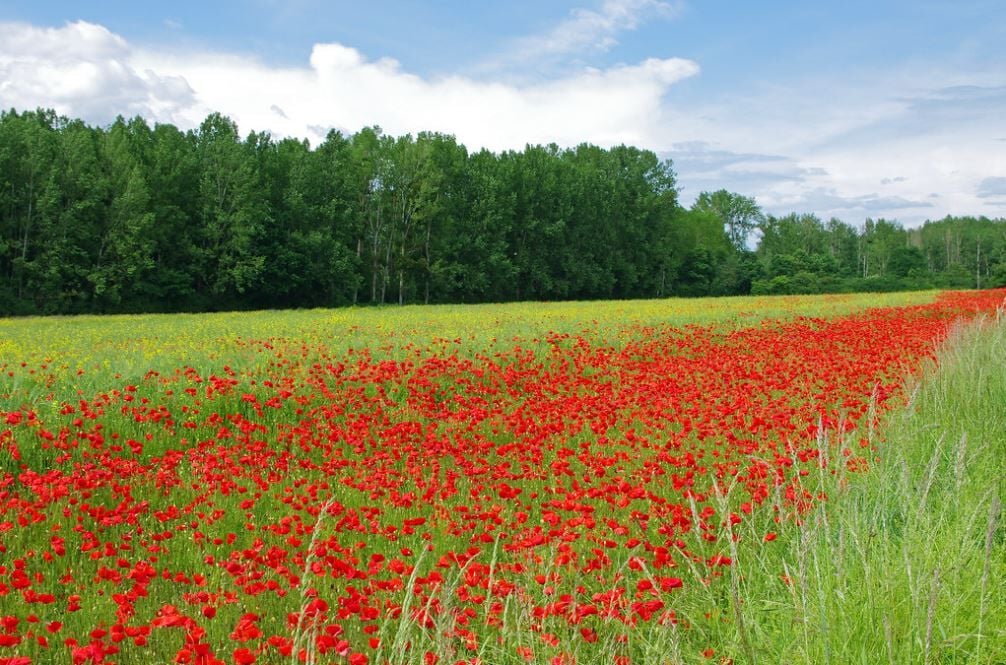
point(576, 483)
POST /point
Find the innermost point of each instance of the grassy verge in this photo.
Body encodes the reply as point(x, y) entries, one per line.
point(906, 563)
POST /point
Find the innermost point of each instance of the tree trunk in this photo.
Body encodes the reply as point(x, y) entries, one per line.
point(27, 230)
point(375, 249)
point(429, 268)
point(386, 272)
point(356, 285)
point(978, 265)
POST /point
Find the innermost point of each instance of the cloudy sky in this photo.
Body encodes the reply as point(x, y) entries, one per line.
point(851, 109)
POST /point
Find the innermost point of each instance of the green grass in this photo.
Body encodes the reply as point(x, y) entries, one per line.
point(905, 564)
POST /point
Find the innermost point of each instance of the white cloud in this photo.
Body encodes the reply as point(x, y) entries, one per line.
point(915, 129)
point(589, 29)
point(84, 70)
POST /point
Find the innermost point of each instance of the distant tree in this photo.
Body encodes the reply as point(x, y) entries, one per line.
point(701, 246)
point(234, 207)
point(125, 244)
point(370, 151)
point(177, 235)
point(740, 215)
point(843, 246)
point(29, 146)
point(878, 242)
point(472, 260)
point(905, 261)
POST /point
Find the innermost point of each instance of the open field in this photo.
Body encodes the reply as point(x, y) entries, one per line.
point(660, 481)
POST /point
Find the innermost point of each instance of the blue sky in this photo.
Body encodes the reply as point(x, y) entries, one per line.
point(848, 109)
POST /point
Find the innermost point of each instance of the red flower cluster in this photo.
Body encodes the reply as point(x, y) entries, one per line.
point(316, 503)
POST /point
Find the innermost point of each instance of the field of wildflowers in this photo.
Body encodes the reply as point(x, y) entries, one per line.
point(496, 484)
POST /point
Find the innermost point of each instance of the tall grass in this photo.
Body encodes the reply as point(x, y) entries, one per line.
point(905, 564)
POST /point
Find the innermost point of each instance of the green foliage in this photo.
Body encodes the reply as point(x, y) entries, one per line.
point(134, 218)
point(740, 215)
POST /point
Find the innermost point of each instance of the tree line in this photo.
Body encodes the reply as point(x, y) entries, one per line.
point(130, 218)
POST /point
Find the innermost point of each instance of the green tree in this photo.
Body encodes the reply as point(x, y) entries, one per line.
point(843, 246)
point(29, 146)
point(72, 212)
point(319, 220)
point(878, 242)
point(700, 245)
point(740, 215)
point(174, 175)
point(233, 208)
point(475, 262)
point(541, 211)
point(125, 242)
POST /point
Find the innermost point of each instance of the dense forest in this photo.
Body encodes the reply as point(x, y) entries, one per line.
point(130, 218)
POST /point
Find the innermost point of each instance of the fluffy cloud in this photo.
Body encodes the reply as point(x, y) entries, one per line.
point(84, 70)
point(342, 88)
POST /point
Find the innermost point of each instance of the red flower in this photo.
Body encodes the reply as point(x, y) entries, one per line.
point(244, 656)
point(246, 628)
